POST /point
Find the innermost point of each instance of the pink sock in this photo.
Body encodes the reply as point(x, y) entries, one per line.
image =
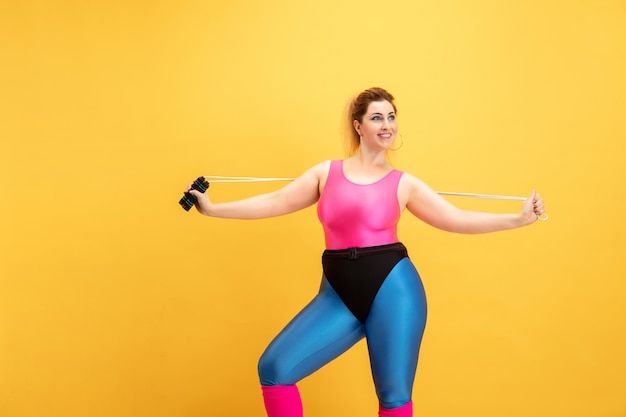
point(282, 401)
point(405, 411)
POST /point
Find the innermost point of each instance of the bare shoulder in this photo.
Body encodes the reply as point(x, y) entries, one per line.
point(410, 188)
point(322, 167)
point(319, 171)
point(302, 191)
point(312, 177)
point(409, 182)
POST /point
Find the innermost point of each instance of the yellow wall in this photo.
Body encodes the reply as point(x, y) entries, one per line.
point(114, 302)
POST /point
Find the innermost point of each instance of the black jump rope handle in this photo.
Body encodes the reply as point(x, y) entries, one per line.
point(188, 200)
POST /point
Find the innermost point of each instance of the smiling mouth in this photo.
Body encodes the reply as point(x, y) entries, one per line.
point(385, 135)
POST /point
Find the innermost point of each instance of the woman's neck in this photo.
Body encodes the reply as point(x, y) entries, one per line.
point(370, 159)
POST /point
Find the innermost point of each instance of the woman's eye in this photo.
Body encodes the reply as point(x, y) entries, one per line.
point(376, 118)
point(392, 117)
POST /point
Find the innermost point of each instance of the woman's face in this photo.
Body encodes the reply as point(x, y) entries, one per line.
point(378, 128)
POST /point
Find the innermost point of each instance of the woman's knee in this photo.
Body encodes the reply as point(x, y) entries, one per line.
point(271, 370)
point(264, 368)
point(394, 400)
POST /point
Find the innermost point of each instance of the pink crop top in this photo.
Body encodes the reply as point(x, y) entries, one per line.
point(359, 215)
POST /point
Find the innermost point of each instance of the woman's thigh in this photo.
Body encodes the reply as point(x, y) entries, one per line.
point(394, 330)
point(322, 331)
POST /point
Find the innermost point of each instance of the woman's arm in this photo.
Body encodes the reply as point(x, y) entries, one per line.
point(298, 194)
point(433, 209)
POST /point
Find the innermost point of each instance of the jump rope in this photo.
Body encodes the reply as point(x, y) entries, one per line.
point(201, 184)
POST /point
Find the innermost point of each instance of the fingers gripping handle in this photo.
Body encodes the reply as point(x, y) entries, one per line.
point(189, 199)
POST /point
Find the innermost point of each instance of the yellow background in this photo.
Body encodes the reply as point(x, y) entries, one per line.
point(114, 302)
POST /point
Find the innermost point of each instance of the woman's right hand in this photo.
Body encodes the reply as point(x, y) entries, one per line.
point(203, 204)
point(298, 194)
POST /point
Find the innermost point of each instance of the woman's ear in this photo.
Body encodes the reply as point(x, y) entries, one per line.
point(357, 126)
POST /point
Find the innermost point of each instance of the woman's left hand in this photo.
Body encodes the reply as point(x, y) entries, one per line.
point(533, 208)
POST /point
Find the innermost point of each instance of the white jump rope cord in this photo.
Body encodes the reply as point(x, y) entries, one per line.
point(221, 178)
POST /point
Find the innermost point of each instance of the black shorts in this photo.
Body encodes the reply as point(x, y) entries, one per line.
point(356, 274)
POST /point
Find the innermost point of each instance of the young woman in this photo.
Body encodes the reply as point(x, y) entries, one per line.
point(370, 288)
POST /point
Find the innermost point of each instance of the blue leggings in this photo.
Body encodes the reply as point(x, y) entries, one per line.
point(325, 329)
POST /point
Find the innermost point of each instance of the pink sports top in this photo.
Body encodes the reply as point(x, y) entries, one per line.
point(359, 215)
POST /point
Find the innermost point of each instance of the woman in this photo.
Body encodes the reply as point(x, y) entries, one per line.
point(369, 286)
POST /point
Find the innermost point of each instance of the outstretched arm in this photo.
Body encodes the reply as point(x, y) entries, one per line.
point(433, 209)
point(298, 194)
